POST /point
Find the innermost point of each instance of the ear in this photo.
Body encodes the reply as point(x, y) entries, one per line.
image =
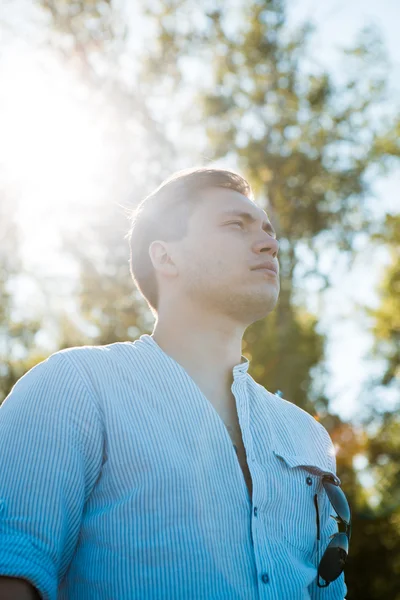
point(160, 256)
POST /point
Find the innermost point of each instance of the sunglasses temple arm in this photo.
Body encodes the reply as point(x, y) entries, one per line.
point(317, 511)
point(318, 539)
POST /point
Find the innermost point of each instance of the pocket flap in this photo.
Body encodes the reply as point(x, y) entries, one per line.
point(318, 465)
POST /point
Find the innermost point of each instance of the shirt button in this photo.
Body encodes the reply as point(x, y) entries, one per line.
point(255, 511)
point(265, 577)
point(309, 481)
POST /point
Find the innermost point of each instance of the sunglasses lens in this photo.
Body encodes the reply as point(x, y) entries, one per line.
point(334, 558)
point(338, 501)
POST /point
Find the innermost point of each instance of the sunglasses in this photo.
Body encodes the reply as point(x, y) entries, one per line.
point(335, 556)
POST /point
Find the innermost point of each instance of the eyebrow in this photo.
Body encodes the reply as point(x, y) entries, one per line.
point(249, 218)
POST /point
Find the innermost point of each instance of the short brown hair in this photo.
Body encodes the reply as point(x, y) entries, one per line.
point(165, 213)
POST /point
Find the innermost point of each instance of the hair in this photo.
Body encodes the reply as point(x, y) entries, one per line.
point(165, 214)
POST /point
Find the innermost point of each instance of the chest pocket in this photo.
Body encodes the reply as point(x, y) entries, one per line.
point(300, 479)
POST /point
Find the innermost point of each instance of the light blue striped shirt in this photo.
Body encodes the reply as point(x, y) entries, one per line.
point(119, 481)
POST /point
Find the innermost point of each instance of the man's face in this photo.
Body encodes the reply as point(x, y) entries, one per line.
point(215, 260)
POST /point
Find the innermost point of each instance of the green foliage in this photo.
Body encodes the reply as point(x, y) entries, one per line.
point(288, 337)
point(386, 318)
point(17, 332)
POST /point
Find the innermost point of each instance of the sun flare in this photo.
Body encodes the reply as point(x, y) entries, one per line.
point(51, 146)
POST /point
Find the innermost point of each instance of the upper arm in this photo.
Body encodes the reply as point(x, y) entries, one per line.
point(50, 458)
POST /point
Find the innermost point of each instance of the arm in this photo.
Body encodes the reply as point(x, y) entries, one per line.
point(51, 451)
point(12, 588)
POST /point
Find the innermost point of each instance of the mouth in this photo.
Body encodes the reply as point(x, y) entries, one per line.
point(266, 265)
point(266, 271)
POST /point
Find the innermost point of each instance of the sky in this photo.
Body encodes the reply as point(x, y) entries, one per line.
point(338, 21)
point(337, 24)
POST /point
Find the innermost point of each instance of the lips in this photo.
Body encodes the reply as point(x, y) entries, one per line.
point(266, 265)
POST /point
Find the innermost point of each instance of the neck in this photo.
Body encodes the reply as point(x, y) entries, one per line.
point(207, 356)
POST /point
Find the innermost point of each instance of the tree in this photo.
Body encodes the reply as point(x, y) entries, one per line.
point(17, 332)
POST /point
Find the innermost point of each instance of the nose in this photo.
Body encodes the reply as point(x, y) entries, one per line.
point(269, 244)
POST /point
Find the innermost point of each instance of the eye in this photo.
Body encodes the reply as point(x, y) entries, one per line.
point(236, 223)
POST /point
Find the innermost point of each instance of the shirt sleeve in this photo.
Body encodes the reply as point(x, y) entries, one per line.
point(51, 451)
point(337, 589)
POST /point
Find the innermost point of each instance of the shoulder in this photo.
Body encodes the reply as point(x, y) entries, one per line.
point(292, 413)
point(97, 357)
point(55, 385)
point(296, 430)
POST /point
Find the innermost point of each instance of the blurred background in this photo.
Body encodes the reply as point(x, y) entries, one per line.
point(100, 101)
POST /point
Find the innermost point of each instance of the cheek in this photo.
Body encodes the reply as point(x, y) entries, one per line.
point(202, 267)
point(210, 258)
point(193, 263)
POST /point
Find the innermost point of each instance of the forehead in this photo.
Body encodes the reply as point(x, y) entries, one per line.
point(218, 201)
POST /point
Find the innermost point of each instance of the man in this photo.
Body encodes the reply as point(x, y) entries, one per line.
point(160, 469)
